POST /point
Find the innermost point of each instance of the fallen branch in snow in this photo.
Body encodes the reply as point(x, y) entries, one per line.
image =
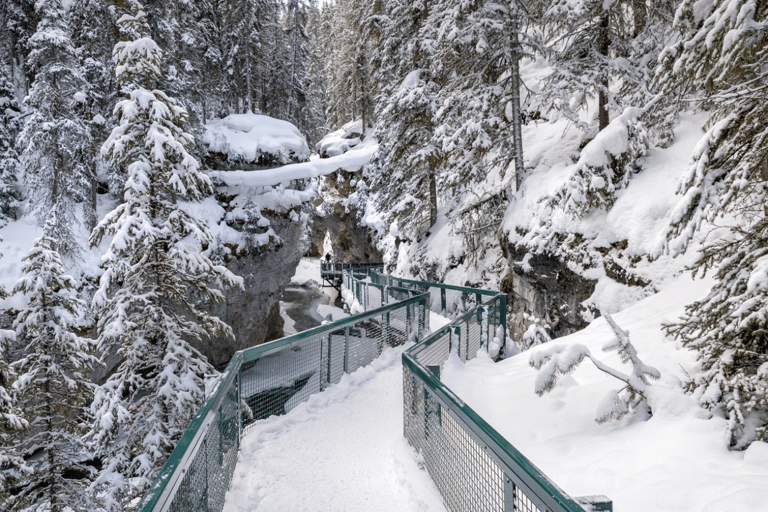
point(557, 360)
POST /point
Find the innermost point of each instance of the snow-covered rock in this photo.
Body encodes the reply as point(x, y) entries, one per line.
point(256, 139)
point(342, 140)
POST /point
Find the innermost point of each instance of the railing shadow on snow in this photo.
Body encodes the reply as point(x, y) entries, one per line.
point(472, 465)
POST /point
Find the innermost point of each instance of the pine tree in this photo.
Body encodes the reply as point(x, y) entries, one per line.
point(301, 111)
point(55, 142)
point(409, 161)
point(590, 43)
point(317, 90)
point(723, 52)
point(52, 386)
point(93, 38)
point(17, 24)
point(154, 279)
point(479, 47)
point(12, 421)
point(9, 159)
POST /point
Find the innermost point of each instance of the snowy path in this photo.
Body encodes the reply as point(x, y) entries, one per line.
point(341, 450)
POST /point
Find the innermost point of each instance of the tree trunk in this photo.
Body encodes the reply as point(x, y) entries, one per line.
point(603, 47)
point(248, 84)
point(432, 197)
point(639, 13)
point(516, 118)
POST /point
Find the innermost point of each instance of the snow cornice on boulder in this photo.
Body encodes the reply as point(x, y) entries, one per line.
point(351, 161)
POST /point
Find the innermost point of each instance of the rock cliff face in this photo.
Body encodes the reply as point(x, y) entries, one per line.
point(350, 242)
point(254, 312)
point(543, 286)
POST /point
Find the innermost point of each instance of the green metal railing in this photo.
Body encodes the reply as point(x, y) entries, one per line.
point(472, 466)
point(272, 379)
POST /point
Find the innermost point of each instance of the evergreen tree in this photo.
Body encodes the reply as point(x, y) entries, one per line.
point(9, 159)
point(154, 277)
point(409, 161)
point(93, 38)
point(52, 385)
point(317, 91)
point(590, 43)
point(477, 54)
point(213, 86)
point(17, 24)
point(301, 111)
point(55, 142)
point(723, 52)
point(12, 422)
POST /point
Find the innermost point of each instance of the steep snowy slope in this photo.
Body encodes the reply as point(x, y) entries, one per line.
point(675, 461)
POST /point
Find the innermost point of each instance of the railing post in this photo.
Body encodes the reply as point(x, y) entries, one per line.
point(442, 300)
point(408, 319)
point(386, 326)
point(346, 349)
point(509, 494)
point(503, 322)
point(330, 342)
point(239, 397)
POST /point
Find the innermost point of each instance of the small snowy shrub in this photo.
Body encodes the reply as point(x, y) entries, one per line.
point(557, 360)
point(536, 334)
point(605, 166)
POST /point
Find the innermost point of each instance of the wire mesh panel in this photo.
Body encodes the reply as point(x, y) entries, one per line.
point(464, 474)
point(273, 378)
point(275, 383)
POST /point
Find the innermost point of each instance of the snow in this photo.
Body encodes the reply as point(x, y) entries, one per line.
point(343, 449)
point(340, 141)
point(676, 461)
point(351, 161)
point(247, 136)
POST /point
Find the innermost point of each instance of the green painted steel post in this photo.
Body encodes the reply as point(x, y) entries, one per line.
point(386, 326)
point(383, 300)
point(239, 396)
point(464, 301)
point(346, 349)
point(478, 299)
point(503, 321)
point(423, 329)
point(442, 299)
point(330, 338)
point(509, 494)
point(408, 318)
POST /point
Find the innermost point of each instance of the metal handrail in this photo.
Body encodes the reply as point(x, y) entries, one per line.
point(520, 474)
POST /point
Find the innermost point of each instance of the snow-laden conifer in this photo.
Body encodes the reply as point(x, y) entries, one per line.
point(55, 141)
point(9, 158)
point(155, 279)
point(93, 37)
point(723, 52)
point(53, 386)
point(406, 172)
point(12, 421)
point(479, 45)
point(556, 360)
point(592, 54)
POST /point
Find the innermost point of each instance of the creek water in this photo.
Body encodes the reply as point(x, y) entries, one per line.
point(301, 304)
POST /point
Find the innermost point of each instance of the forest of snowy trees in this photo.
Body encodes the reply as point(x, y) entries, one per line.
point(113, 95)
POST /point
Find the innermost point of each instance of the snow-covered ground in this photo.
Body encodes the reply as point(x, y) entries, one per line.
point(676, 461)
point(341, 450)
